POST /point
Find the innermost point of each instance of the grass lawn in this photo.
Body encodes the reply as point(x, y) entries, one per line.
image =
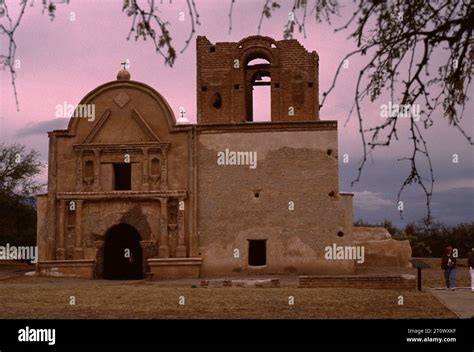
point(38, 297)
point(143, 300)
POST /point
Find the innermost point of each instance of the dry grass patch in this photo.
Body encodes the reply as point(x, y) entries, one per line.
point(29, 298)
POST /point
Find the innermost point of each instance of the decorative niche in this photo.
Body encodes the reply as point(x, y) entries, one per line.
point(172, 212)
point(88, 169)
point(155, 168)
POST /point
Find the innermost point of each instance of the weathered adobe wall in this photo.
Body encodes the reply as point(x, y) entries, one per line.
point(100, 216)
point(381, 250)
point(41, 227)
point(292, 166)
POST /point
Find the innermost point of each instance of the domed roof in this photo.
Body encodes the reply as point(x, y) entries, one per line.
point(123, 75)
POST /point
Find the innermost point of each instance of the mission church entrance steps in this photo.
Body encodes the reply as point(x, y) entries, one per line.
point(250, 283)
point(169, 268)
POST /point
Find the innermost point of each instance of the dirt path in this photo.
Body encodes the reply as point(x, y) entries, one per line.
point(11, 273)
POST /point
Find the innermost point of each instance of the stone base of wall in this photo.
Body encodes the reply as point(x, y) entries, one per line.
point(215, 268)
point(83, 268)
point(174, 268)
point(405, 282)
point(251, 283)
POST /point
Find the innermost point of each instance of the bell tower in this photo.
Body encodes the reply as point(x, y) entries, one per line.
point(227, 74)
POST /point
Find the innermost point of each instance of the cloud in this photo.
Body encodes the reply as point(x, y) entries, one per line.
point(371, 200)
point(42, 127)
point(448, 185)
point(452, 206)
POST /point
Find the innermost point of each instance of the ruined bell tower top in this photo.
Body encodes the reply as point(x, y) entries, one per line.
point(228, 72)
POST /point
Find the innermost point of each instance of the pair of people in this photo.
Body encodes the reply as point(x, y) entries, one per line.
point(470, 264)
point(448, 264)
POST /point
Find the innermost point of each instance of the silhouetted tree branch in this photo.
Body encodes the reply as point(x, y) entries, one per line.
point(393, 34)
point(7, 58)
point(147, 23)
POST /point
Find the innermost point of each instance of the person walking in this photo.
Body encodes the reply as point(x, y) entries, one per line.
point(470, 264)
point(448, 264)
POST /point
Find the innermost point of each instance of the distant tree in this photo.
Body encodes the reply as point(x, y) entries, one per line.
point(419, 248)
point(361, 222)
point(438, 236)
point(429, 238)
point(391, 228)
point(387, 224)
point(18, 171)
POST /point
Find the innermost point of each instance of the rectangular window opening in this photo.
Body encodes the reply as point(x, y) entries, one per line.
point(257, 252)
point(123, 177)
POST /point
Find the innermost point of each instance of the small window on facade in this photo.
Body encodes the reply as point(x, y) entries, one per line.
point(123, 177)
point(217, 101)
point(212, 49)
point(257, 252)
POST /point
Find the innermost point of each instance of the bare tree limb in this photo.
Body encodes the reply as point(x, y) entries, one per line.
point(230, 15)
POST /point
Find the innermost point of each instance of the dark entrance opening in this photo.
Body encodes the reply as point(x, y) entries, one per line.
point(123, 257)
point(123, 176)
point(257, 252)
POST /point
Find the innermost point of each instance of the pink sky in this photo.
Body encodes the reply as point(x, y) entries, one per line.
point(62, 60)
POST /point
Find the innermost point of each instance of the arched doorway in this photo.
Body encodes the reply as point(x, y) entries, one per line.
point(123, 256)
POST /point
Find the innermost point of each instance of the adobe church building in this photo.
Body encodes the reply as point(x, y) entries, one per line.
point(137, 192)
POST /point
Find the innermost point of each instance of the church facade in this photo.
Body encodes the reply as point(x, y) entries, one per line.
point(137, 192)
